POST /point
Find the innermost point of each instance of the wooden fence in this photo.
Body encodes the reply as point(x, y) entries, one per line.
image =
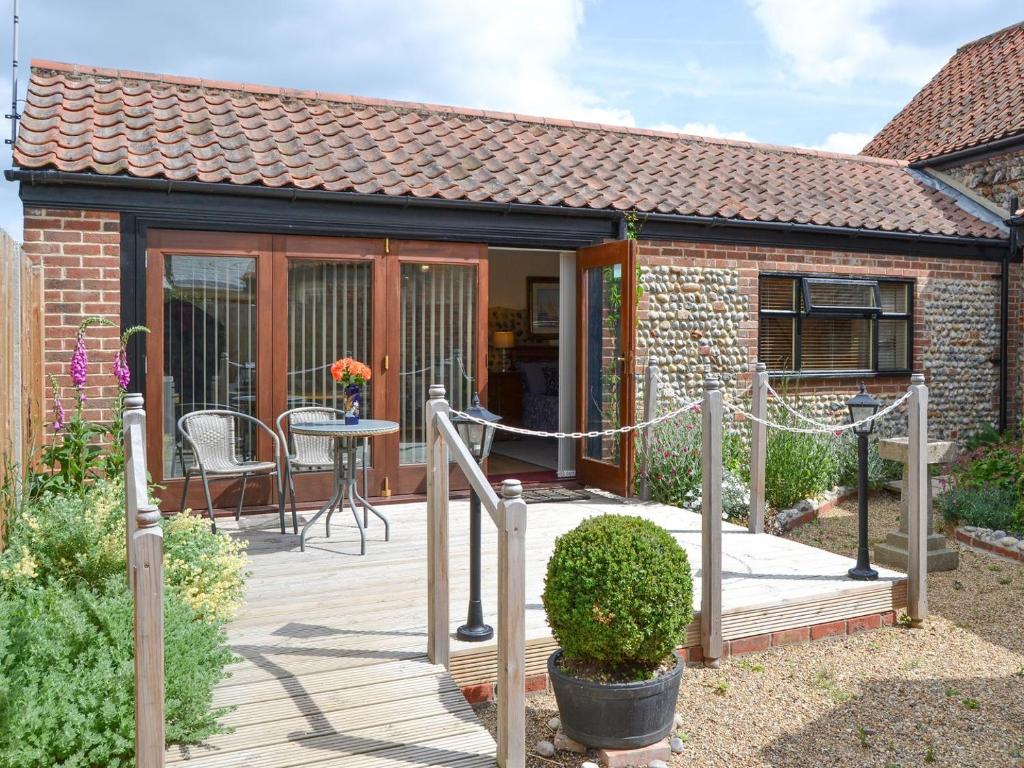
point(509, 515)
point(21, 358)
point(711, 496)
point(145, 553)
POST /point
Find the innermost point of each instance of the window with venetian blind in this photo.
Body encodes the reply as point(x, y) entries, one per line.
point(834, 325)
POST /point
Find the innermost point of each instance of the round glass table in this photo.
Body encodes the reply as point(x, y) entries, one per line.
point(346, 441)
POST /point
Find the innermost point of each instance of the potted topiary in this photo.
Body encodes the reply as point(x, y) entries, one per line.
point(618, 596)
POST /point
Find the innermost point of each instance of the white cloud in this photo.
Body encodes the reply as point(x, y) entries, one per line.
point(512, 57)
point(839, 41)
point(846, 142)
point(703, 129)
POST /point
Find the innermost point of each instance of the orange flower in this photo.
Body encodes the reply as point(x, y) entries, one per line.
point(349, 371)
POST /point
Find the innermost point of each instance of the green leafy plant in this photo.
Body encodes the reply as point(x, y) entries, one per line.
point(618, 596)
point(67, 675)
point(673, 462)
point(992, 463)
point(995, 507)
point(798, 466)
point(66, 635)
point(880, 471)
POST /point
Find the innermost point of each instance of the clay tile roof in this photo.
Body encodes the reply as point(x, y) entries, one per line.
point(975, 99)
point(86, 120)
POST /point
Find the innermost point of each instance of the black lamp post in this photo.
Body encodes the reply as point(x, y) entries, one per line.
point(478, 438)
point(862, 406)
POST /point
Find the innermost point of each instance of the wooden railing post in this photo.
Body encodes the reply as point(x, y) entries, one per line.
point(651, 375)
point(511, 691)
point(437, 530)
point(711, 523)
point(148, 587)
point(758, 446)
point(136, 494)
point(917, 502)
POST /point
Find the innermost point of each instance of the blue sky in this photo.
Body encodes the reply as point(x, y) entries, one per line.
point(821, 73)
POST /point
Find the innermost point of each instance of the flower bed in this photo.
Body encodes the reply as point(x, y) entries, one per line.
point(802, 472)
point(66, 611)
point(66, 630)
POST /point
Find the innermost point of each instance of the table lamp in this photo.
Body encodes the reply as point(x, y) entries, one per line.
point(504, 340)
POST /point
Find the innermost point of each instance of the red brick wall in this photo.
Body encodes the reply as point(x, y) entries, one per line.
point(81, 257)
point(750, 261)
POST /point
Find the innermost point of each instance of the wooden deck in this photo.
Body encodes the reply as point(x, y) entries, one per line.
point(333, 669)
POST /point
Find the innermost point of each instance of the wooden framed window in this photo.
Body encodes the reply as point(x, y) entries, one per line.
point(830, 325)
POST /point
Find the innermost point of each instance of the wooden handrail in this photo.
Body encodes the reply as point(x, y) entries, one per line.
point(458, 450)
point(145, 553)
point(509, 515)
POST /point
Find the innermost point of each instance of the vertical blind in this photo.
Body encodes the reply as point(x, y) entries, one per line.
point(330, 316)
point(438, 339)
point(209, 345)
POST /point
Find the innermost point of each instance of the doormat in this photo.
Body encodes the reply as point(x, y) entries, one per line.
point(538, 495)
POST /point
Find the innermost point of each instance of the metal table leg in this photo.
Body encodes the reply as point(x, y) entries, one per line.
point(353, 493)
point(367, 506)
point(329, 506)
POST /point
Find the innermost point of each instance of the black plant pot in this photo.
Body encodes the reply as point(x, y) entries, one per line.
point(615, 715)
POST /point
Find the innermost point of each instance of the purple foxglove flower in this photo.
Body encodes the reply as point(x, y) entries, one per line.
point(79, 363)
point(59, 416)
point(122, 372)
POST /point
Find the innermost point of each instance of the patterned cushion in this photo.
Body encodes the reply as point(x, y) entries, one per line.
point(550, 380)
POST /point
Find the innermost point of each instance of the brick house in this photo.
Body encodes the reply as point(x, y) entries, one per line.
point(262, 232)
point(968, 121)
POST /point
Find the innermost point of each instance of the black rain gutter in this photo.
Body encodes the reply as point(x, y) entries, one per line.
point(965, 154)
point(1004, 312)
point(52, 177)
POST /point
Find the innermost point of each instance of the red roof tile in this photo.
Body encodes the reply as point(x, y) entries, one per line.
point(89, 120)
point(975, 99)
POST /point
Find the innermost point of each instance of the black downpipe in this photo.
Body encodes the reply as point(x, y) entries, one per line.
point(1004, 325)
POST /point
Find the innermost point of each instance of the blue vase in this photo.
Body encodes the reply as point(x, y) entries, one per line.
point(355, 396)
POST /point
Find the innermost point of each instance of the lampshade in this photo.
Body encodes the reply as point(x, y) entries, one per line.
point(503, 339)
point(863, 406)
point(477, 437)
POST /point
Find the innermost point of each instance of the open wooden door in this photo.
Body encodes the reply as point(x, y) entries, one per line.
point(605, 355)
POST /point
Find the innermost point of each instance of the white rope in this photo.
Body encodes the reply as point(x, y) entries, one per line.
point(580, 435)
point(836, 430)
point(794, 412)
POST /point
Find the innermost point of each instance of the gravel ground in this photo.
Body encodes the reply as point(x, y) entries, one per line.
point(951, 694)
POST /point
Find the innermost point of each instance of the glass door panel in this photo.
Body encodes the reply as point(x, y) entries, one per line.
point(330, 316)
point(209, 346)
point(603, 362)
point(605, 351)
point(438, 344)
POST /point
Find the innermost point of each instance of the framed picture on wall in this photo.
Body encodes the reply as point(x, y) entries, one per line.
point(542, 297)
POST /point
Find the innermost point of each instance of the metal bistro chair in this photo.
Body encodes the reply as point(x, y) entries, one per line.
point(307, 453)
point(213, 438)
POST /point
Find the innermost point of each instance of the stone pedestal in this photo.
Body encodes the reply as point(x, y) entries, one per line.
point(894, 552)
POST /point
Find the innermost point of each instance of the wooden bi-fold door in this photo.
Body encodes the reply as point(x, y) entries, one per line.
point(253, 322)
point(605, 361)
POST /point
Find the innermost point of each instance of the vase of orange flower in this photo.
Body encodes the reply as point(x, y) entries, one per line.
point(352, 375)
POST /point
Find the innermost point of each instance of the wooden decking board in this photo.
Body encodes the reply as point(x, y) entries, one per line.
point(334, 671)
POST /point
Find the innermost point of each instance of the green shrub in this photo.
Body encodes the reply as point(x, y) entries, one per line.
point(994, 507)
point(880, 471)
point(618, 594)
point(66, 636)
point(674, 461)
point(81, 539)
point(799, 466)
point(67, 675)
point(990, 463)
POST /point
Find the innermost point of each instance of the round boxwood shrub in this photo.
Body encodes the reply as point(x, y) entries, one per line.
point(618, 593)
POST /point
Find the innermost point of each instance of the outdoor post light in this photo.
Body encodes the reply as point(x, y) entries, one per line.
point(478, 438)
point(862, 406)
